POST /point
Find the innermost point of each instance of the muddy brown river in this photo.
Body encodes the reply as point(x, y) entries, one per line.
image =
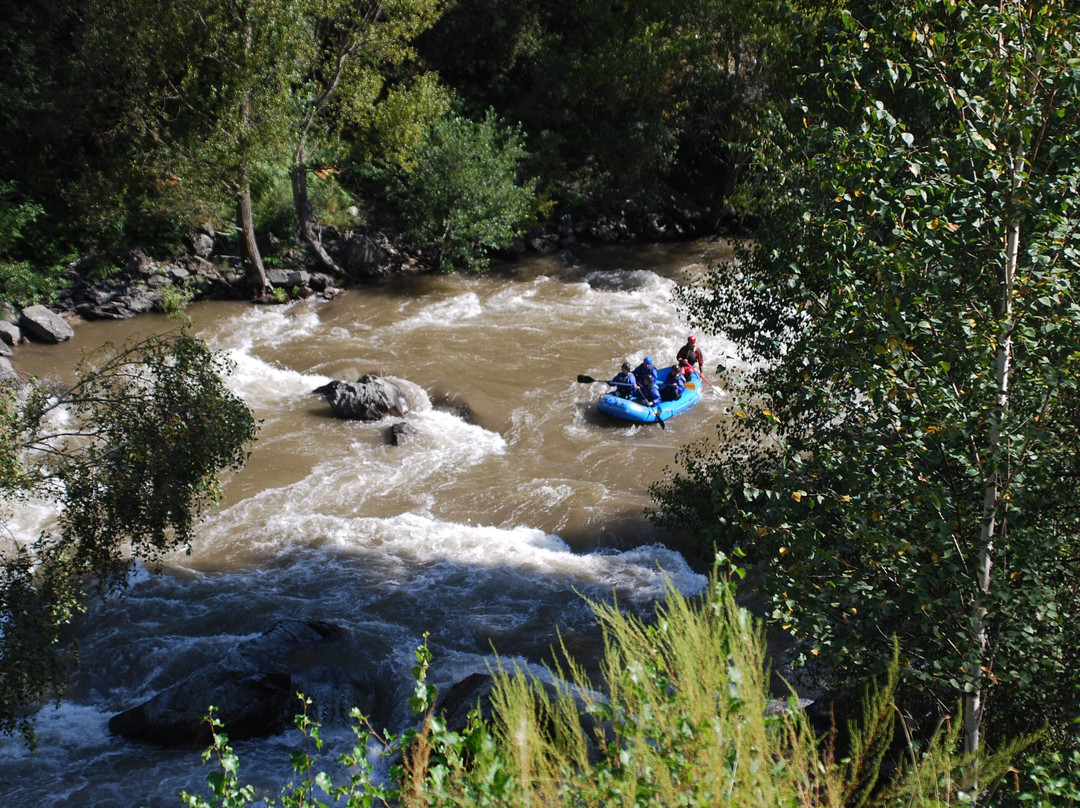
point(513, 502)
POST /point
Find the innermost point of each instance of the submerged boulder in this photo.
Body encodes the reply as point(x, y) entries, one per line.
point(369, 398)
point(254, 687)
point(400, 433)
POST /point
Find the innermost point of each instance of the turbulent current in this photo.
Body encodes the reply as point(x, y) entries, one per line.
point(513, 502)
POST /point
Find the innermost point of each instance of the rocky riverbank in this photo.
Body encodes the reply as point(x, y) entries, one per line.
point(208, 268)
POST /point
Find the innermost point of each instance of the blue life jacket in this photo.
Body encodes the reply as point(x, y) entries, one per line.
point(674, 386)
point(624, 383)
point(645, 373)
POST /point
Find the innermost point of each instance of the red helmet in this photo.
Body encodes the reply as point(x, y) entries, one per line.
point(691, 338)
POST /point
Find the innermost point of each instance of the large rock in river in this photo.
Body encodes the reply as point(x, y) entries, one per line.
point(44, 325)
point(253, 687)
point(369, 398)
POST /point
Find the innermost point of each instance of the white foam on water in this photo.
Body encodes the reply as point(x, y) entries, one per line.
point(29, 518)
point(424, 546)
point(60, 730)
point(443, 314)
point(265, 387)
point(350, 479)
point(262, 326)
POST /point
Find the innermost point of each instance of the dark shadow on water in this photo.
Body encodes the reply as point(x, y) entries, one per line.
point(593, 417)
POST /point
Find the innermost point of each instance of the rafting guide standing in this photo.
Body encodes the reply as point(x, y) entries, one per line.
point(692, 354)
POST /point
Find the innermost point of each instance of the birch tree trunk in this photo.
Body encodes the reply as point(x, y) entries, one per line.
point(973, 703)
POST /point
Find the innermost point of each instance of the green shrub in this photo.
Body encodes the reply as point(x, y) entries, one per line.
point(31, 263)
point(175, 300)
point(463, 197)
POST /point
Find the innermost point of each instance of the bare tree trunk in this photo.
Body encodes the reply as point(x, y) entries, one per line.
point(253, 262)
point(973, 702)
point(302, 204)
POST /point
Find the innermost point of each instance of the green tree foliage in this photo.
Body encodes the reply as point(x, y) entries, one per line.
point(129, 122)
point(902, 462)
point(686, 720)
point(234, 98)
point(132, 122)
point(51, 121)
point(618, 100)
point(133, 461)
point(56, 149)
point(30, 266)
point(212, 85)
point(398, 124)
point(462, 195)
point(350, 47)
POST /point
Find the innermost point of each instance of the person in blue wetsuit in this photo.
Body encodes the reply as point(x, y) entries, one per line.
point(645, 370)
point(674, 386)
point(624, 382)
point(645, 373)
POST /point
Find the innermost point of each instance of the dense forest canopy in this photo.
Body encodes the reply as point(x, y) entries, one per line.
point(127, 124)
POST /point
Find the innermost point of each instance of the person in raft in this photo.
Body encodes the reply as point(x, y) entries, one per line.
point(624, 382)
point(686, 370)
point(691, 353)
point(645, 370)
point(674, 386)
point(645, 373)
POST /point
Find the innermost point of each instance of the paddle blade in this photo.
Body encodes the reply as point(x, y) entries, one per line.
point(586, 379)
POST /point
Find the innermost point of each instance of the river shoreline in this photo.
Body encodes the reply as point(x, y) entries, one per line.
point(208, 269)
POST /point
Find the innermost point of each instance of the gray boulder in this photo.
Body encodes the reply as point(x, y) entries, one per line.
point(10, 333)
point(44, 325)
point(369, 398)
point(287, 279)
point(401, 432)
point(202, 243)
point(254, 688)
point(364, 257)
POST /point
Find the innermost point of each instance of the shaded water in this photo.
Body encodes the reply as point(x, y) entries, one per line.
point(513, 501)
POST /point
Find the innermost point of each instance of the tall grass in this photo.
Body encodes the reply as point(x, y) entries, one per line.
point(682, 717)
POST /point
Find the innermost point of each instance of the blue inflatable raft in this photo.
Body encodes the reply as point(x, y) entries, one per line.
point(637, 411)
